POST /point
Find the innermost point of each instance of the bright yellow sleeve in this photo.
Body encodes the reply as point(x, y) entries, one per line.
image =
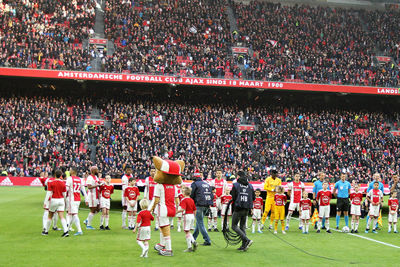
point(268, 186)
point(279, 182)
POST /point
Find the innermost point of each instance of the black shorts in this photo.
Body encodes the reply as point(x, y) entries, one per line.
point(342, 204)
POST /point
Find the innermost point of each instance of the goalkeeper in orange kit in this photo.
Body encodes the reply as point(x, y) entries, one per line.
point(270, 184)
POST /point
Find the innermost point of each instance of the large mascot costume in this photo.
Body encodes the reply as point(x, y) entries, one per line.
point(168, 174)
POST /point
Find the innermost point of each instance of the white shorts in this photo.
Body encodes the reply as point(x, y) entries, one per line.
point(374, 210)
point(163, 221)
point(294, 206)
point(93, 201)
point(355, 210)
point(305, 215)
point(143, 233)
point(392, 217)
point(105, 203)
point(213, 212)
point(130, 208)
point(188, 222)
point(73, 207)
point(324, 211)
point(218, 203)
point(256, 214)
point(223, 211)
point(57, 204)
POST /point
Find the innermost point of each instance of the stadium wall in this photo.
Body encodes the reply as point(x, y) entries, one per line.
point(194, 81)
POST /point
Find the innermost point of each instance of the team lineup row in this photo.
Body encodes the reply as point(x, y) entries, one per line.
point(66, 194)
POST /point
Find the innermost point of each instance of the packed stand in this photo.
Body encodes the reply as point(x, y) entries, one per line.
point(308, 44)
point(383, 27)
point(192, 40)
point(41, 134)
point(45, 34)
point(206, 137)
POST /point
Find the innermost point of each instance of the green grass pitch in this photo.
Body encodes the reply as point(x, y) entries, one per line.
point(21, 243)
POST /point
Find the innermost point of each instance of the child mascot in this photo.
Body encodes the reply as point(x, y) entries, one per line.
point(168, 174)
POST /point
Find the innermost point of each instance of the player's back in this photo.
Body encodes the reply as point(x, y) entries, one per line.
point(145, 218)
point(188, 205)
point(58, 188)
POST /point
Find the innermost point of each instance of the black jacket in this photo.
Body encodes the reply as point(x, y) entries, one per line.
point(201, 193)
point(235, 194)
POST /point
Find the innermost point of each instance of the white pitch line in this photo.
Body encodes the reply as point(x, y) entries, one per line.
point(370, 239)
point(366, 238)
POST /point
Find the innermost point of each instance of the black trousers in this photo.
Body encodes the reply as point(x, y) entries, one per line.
point(239, 224)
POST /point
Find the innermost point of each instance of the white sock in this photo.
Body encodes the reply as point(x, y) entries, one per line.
point(45, 218)
point(179, 223)
point(288, 217)
point(140, 243)
point(259, 225)
point(130, 221)
point(171, 221)
point(375, 222)
point(146, 246)
point(209, 223)
point(319, 225)
point(253, 226)
point(133, 220)
point(389, 227)
point(55, 219)
point(188, 240)
point(162, 239)
point(48, 223)
point(222, 222)
point(327, 223)
point(369, 222)
point(75, 219)
point(167, 242)
point(89, 219)
point(64, 225)
point(101, 220)
point(107, 219)
point(69, 219)
point(301, 224)
point(352, 225)
point(157, 225)
point(215, 223)
point(356, 226)
point(124, 218)
point(307, 226)
point(395, 227)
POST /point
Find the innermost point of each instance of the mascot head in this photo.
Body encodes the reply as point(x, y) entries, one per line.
point(168, 171)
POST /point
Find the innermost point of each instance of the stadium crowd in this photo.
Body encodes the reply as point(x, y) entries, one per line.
point(194, 38)
point(295, 43)
point(41, 134)
point(42, 34)
point(293, 139)
point(311, 44)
